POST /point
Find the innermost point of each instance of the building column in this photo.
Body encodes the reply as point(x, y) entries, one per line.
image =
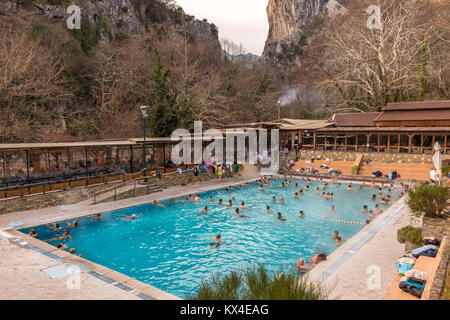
point(314, 140)
point(410, 136)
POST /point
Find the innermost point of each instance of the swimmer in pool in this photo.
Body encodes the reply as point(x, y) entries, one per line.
point(335, 235)
point(243, 206)
point(338, 241)
point(302, 214)
point(196, 198)
point(62, 246)
point(282, 185)
point(159, 204)
point(300, 265)
point(324, 195)
point(317, 190)
point(211, 199)
point(279, 217)
point(229, 204)
point(205, 210)
point(217, 239)
point(274, 198)
point(261, 188)
point(54, 227)
point(233, 198)
point(332, 208)
point(33, 234)
point(300, 192)
point(378, 209)
point(281, 200)
point(97, 217)
point(296, 195)
point(339, 185)
point(317, 259)
point(74, 251)
point(66, 235)
point(71, 225)
point(365, 209)
point(374, 197)
point(307, 188)
point(349, 188)
point(269, 210)
point(332, 195)
point(127, 218)
point(220, 203)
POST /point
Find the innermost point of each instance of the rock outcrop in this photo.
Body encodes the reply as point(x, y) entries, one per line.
point(287, 22)
point(110, 18)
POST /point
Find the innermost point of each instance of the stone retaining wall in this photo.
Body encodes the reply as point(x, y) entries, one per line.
point(374, 156)
point(51, 198)
point(187, 177)
point(435, 228)
point(438, 228)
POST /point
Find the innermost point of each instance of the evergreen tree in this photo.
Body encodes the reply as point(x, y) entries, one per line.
point(165, 115)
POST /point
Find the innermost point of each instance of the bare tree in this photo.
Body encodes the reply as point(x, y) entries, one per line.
point(370, 67)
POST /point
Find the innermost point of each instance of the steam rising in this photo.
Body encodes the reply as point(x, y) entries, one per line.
point(291, 95)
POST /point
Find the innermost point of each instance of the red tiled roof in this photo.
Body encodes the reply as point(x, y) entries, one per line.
point(418, 105)
point(415, 115)
point(361, 119)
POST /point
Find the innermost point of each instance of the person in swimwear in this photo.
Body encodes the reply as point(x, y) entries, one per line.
point(71, 225)
point(217, 239)
point(127, 218)
point(66, 235)
point(317, 259)
point(281, 200)
point(196, 197)
point(33, 234)
point(332, 208)
point(220, 203)
point(317, 190)
point(302, 214)
point(269, 210)
point(261, 188)
point(205, 210)
point(159, 204)
point(211, 199)
point(365, 209)
point(279, 217)
point(54, 227)
point(98, 217)
point(296, 196)
point(243, 206)
point(300, 265)
point(229, 204)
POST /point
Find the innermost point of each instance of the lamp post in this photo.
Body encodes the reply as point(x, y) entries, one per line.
point(144, 116)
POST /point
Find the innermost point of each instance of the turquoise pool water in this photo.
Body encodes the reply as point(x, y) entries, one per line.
point(169, 247)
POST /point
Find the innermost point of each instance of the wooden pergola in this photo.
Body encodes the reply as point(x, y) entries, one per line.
point(382, 139)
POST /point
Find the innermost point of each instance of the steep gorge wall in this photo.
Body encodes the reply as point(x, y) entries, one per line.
point(287, 22)
point(113, 17)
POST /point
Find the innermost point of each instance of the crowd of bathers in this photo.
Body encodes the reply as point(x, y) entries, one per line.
point(384, 196)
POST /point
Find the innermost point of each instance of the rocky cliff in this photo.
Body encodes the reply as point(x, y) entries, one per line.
point(110, 18)
point(288, 21)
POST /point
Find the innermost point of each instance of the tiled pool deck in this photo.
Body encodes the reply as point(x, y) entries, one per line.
point(23, 258)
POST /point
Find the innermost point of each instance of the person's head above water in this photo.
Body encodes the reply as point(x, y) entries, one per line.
point(218, 236)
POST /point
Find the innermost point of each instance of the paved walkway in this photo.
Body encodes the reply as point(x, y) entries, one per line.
point(364, 267)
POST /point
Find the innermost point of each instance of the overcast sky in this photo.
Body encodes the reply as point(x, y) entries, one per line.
point(242, 21)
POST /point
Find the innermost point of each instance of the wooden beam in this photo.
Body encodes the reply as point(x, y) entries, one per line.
point(410, 136)
point(378, 142)
point(314, 140)
point(421, 143)
point(399, 140)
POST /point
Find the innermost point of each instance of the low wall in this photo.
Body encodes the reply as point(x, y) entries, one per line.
point(435, 228)
point(374, 156)
point(51, 199)
point(187, 177)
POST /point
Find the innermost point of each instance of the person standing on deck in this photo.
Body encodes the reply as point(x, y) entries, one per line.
point(196, 171)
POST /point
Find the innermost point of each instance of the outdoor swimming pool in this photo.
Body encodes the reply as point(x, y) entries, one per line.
point(169, 247)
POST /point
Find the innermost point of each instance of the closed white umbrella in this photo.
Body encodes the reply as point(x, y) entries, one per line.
point(437, 160)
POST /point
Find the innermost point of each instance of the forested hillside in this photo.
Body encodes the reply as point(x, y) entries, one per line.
point(90, 83)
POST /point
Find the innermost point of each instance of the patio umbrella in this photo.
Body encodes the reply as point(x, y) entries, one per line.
point(437, 160)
